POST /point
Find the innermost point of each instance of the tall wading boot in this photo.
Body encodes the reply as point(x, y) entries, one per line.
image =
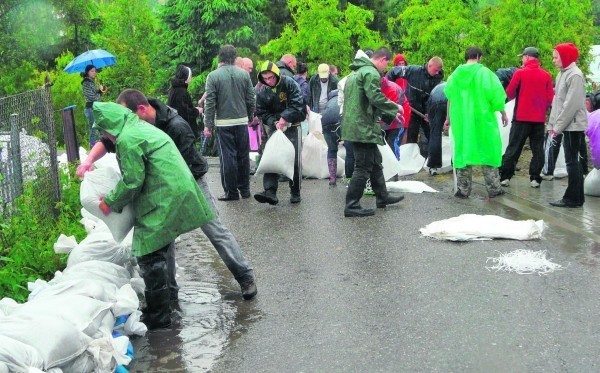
point(383, 197)
point(332, 165)
point(353, 196)
point(157, 313)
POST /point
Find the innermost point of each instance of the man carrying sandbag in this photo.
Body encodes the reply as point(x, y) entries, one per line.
point(360, 125)
point(163, 193)
point(166, 119)
point(280, 106)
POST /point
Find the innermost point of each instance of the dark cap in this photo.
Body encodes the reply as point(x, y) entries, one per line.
point(530, 51)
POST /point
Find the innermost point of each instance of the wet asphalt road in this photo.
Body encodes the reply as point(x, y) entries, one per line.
point(370, 294)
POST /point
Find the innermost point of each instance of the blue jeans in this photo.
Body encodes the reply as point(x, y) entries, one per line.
point(89, 114)
point(224, 242)
point(333, 135)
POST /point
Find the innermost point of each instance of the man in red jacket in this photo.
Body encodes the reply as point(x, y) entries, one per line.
point(531, 86)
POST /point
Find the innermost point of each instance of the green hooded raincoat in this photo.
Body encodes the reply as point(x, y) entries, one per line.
point(475, 94)
point(156, 180)
point(364, 103)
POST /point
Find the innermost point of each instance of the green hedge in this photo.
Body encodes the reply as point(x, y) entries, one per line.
point(28, 233)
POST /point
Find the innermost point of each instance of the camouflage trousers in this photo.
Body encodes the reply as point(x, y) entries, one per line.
point(464, 180)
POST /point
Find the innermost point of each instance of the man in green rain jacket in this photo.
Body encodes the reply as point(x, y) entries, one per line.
point(163, 193)
point(363, 105)
point(474, 94)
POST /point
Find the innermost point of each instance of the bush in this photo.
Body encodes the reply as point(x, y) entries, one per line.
point(28, 233)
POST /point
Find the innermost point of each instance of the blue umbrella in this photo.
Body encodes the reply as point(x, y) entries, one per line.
point(97, 57)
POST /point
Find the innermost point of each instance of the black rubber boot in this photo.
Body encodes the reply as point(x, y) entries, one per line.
point(267, 196)
point(383, 198)
point(353, 196)
point(157, 313)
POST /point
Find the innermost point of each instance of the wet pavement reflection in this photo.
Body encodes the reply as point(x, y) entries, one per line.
point(211, 312)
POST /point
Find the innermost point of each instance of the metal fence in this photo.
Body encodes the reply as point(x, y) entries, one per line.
point(28, 148)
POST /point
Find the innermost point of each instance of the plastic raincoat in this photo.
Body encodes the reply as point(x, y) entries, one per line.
point(156, 180)
point(475, 94)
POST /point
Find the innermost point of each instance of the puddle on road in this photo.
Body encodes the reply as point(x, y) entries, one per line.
point(212, 314)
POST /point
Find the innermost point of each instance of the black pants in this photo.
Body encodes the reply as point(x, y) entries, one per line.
point(519, 133)
point(234, 153)
point(574, 192)
point(437, 117)
point(553, 148)
point(418, 126)
point(270, 181)
point(367, 165)
point(154, 269)
point(349, 161)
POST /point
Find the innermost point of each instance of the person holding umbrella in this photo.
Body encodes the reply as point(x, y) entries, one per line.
point(91, 93)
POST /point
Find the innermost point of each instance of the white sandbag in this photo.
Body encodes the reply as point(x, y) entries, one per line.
point(411, 160)
point(85, 314)
point(447, 152)
point(7, 306)
point(134, 325)
point(509, 108)
point(100, 246)
point(314, 157)
point(278, 156)
point(99, 290)
point(18, 356)
point(127, 301)
point(314, 123)
point(64, 244)
point(56, 340)
point(98, 357)
point(391, 166)
point(591, 184)
point(95, 270)
point(97, 184)
point(409, 186)
point(109, 160)
point(470, 227)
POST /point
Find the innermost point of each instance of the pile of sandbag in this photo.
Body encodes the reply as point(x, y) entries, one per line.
point(81, 320)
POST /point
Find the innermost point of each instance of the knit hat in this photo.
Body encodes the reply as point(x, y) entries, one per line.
point(399, 57)
point(568, 53)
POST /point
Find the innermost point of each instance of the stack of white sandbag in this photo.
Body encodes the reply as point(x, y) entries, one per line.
point(470, 227)
point(81, 319)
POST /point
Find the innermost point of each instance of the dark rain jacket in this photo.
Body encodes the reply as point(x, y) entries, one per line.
point(331, 116)
point(364, 104)
point(284, 69)
point(420, 83)
point(156, 180)
point(180, 100)
point(314, 88)
point(179, 131)
point(284, 100)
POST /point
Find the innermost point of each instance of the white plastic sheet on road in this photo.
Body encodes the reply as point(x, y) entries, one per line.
point(409, 186)
point(471, 227)
point(523, 262)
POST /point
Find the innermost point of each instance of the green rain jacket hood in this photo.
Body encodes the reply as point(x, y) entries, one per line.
point(156, 180)
point(475, 95)
point(364, 103)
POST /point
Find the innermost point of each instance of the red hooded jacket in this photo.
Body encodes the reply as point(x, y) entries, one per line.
point(393, 92)
point(532, 88)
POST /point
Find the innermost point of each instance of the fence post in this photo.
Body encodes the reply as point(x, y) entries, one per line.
point(15, 156)
point(70, 134)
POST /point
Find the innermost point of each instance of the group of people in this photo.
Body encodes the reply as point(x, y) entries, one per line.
point(163, 170)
